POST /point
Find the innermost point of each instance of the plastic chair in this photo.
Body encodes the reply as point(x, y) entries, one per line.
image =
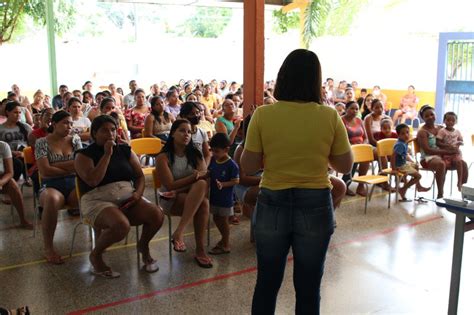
point(364, 153)
point(385, 149)
point(85, 221)
point(147, 147)
point(156, 187)
point(416, 148)
point(29, 159)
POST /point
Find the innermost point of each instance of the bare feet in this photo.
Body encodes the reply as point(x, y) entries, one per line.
point(97, 262)
point(421, 188)
point(402, 192)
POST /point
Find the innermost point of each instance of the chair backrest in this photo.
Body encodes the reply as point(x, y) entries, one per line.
point(156, 180)
point(416, 146)
point(28, 155)
point(149, 146)
point(385, 147)
point(362, 153)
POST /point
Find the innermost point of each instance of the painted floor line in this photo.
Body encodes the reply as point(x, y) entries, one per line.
point(240, 272)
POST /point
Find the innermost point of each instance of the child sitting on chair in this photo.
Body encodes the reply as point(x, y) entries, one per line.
point(448, 137)
point(224, 175)
point(386, 131)
point(402, 162)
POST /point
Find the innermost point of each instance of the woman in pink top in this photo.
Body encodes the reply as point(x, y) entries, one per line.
point(408, 105)
point(357, 135)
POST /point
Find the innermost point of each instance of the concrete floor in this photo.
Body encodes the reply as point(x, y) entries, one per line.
point(395, 261)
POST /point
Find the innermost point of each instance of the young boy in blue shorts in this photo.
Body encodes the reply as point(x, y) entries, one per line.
point(224, 175)
point(402, 162)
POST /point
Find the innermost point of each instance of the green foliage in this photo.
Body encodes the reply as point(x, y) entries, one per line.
point(10, 16)
point(341, 17)
point(207, 22)
point(64, 14)
point(316, 14)
point(282, 22)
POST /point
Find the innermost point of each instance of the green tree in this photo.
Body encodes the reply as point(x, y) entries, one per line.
point(10, 13)
point(207, 22)
point(64, 14)
point(321, 17)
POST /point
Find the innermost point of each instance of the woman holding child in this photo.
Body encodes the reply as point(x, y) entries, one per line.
point(431, 154)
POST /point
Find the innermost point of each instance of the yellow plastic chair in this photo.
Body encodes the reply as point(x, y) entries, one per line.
point(148, 147)
point(85, 221)
point(385, 149)
point(156, 187)
point(364, 153)
point(416, 147)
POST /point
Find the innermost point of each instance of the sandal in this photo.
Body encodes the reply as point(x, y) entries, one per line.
point(234, 220)
point(203, 262)
point(178, 246)
point(151, 266)
point(55, 260)
point(219, 250)
point(404, 199)
point(108, 274)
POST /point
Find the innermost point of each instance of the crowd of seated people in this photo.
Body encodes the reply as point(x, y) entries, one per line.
point(185, 117)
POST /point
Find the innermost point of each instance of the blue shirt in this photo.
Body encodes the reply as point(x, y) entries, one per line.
point(222, 172)
point(401, 150)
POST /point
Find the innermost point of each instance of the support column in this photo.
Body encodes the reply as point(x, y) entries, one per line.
point(254, 48)
point(53, 74)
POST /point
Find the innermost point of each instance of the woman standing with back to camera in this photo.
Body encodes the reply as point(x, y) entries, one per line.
point(294, 207)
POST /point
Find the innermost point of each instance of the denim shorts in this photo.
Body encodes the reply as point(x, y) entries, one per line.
point(65, 185)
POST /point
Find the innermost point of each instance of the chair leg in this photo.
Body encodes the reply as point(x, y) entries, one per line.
point(138, 252)
point(169, 235)
point(209, 231)
point(74, 238)
point(366, 199)
point(12, 213)
point(35, 220)
point(92, 233)
point(451, 188)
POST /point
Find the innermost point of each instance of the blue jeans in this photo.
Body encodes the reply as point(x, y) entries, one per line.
point(302, 219)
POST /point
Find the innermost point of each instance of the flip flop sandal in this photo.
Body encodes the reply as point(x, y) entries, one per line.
point(218, 250)
point(151, 266)
point(405, 200)
point(203, 262)
point(56, 260)
point(178, 246)
point(107, 274)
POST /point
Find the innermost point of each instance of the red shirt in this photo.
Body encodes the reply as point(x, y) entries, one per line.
point(380, 136)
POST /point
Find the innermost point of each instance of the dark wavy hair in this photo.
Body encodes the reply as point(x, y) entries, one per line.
point(187, 107)
point(155, 114)
point(423, 110)
point(10, 106)
point(57, 117)
point(299, 78)
point(73, 100)
point(193, 155)
point(349, 104)
point(99, 121)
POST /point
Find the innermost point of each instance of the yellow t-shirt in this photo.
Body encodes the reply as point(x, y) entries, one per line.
point(296, 140)
point(209, 100)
